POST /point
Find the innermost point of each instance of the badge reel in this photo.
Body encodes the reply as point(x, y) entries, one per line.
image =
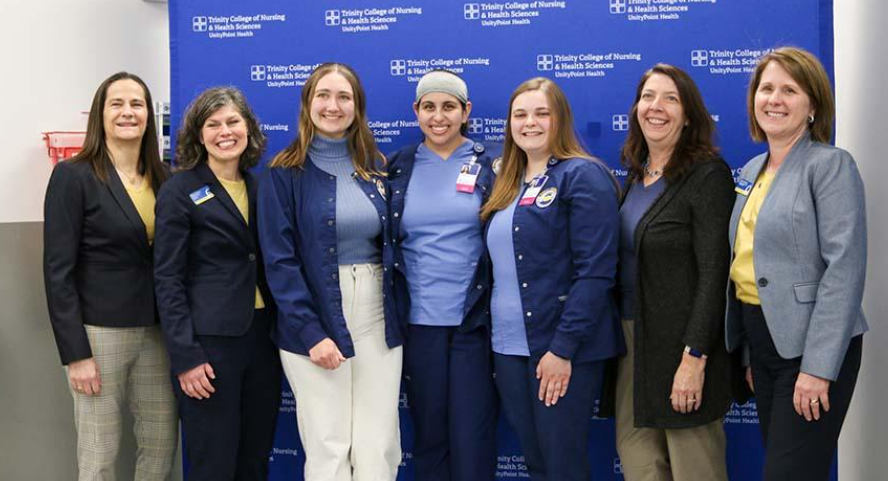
point(468, 174)
point(533, 190)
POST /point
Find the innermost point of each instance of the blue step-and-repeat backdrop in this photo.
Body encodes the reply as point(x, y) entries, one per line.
point(595, 49)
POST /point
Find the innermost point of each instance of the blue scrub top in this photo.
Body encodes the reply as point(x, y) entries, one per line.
point(508, 335)
point(442, 237)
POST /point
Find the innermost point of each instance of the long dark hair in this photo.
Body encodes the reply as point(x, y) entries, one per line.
point(189, 149)
point(361, 145)
point(695, 144)
point(95, 151)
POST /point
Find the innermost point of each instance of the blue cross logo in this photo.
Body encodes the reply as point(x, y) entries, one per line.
point(620, 122)
point(617, 6)
point(472, 11)
point(398, 67)
point(332, 18)
point(199, 24)
point(257, 73)
point(476, 126)
point(699, 58)
point(545, 62)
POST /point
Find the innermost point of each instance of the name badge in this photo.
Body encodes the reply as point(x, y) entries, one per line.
point(743, 187)
point(201, 195)
point(533, 190)
point(468, 173)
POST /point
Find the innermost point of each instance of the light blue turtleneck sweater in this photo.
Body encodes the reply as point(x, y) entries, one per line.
point(357, 222)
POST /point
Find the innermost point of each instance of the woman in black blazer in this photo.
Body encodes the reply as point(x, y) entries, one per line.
point(97, 266)
point(215, 308)
point(673, 386)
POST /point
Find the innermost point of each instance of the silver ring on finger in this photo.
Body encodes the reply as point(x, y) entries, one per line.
point(815, 402)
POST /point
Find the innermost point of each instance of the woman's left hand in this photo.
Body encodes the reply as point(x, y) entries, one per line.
point(554, 375)
point(810, 396)
point(687, 384)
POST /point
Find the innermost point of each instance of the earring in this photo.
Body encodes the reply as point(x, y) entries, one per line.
point(810, 119)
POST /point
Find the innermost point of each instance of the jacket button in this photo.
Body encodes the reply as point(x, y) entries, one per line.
point(479, 287)
point(335, 277)
point(523, 284)
point(332, 249)
point(763, 282)
point(332, 178)
point(330, 222)
point(396, 214)
point(398, 171)
point(396, 264)
point(520, 257)
point(517, 228)
point(329, 199)
point(372, 196)
point(397, 191)
point(383, 217)
point(252, 257)
point(529, 313)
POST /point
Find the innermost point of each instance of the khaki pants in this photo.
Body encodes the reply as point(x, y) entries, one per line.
point(135, 371)
point(651, 454)
point(348, 417)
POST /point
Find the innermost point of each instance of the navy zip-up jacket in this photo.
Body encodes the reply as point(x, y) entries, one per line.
point(566, 248)
point(476, 310)
point(297, 231)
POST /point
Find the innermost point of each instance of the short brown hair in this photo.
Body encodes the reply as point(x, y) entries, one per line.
point(809, 73)
point(190, 151)
point(695, 144)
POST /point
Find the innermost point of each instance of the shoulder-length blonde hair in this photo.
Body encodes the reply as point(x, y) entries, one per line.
point(365, 155)
point(809, 73)
point(563, 144)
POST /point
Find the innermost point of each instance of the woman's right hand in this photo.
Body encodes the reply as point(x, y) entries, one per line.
point(84, 377)
point(325, 354)
point(195, 382)
point(749, 378)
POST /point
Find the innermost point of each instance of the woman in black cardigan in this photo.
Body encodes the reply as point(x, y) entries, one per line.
point(673, 386)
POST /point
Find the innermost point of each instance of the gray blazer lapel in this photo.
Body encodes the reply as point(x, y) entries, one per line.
point(750, 173)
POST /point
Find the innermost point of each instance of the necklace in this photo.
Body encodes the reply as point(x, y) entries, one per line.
point(132, 180)
point(652, 173)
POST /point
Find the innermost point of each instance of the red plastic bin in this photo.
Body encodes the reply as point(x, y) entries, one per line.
point(62, 145)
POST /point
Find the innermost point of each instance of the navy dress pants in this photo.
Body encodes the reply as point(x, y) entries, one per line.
point(452, 403)
point(795, 448)
point(555, 439)
point(229, 436)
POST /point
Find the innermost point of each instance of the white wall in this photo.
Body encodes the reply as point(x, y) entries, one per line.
point(55, 54)
point(861, 70)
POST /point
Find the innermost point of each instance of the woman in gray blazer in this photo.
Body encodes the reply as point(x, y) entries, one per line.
point(798, 232)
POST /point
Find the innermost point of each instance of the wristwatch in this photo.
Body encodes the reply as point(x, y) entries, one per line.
point(695, 352)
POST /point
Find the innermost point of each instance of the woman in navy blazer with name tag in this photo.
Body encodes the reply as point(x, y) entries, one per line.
point(552, 234)
point(437, 189)
point(98, 264)
point(215, 308)
point(798, 233)
point(325, 234)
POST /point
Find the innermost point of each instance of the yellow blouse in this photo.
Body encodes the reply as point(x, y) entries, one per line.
point(743, 269)
point(143, 200)
point(237, 190)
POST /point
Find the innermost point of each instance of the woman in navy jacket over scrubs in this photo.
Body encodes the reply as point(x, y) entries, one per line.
point(553, 237)
point(325, 235)
point(215, 308)
point(437, 188)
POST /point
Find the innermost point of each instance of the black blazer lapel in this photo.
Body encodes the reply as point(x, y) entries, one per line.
point(661, 202)
point(118, 191)
point(206, 175)
point(252, 192)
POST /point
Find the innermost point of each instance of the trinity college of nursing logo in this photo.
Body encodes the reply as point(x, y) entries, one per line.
point(257, 73)
point(476, 126)
point(699, 58)
point(199, 24)
point(332, 18)
point(546, 197)
point(620, 122)
point(617, 6)
point(545, 62)
point(398, 67)
point(472, 11)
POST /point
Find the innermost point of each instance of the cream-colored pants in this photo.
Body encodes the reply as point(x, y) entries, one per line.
point(348, 417)
point(650, 454)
